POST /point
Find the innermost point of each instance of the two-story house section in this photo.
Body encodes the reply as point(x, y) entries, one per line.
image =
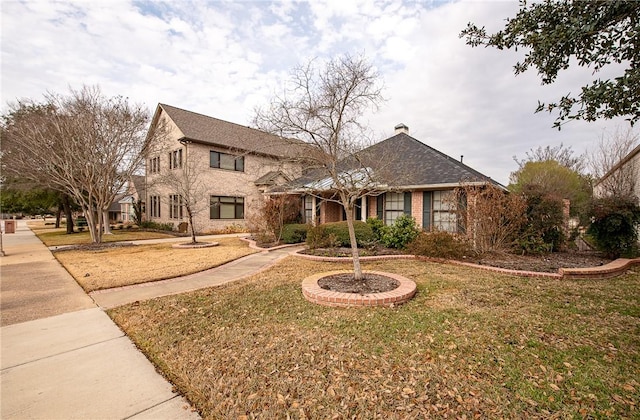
point(219, 168)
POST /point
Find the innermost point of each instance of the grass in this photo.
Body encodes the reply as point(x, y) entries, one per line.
point(51, 236)
point(121, 266)
point(470, 344)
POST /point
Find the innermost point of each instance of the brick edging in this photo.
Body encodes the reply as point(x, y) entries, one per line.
point(254, 245)
point(315, 294)
point(613, 269)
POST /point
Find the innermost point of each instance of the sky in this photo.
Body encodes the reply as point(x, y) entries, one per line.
point(225, 58)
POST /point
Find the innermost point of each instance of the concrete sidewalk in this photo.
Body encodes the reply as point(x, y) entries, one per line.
point(61, 356)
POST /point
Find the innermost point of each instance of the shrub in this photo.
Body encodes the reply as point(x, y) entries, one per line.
point(148, 224)
point(377, 227)
point(317, 238)
point(543, 230)
point(400, 233)
point(613, 229)
point(439, 244)
point(497, 217)
point(337, 234)
point(294, 233)
point(279, 211)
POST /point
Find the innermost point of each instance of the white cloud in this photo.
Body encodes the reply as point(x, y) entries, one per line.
point(224, 58)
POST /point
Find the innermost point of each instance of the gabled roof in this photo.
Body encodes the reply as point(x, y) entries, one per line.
point(271, 178)
point(139, 185)
point(212, 131)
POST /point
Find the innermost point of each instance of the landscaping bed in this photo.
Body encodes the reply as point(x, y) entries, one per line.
point(546, 263)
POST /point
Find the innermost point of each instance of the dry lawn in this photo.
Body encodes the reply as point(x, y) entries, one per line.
point(471, 344)
point(51, 236)
point(121, 266)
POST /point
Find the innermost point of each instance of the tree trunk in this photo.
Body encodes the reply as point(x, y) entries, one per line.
point(192, 228)
point(357, 270)
point(94, 225)
point(105, 220)
point(58, 216)
point(66, 205)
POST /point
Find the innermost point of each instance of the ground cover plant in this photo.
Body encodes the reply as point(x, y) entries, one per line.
point(470, 344)
point(51, 236)
point(107, 267)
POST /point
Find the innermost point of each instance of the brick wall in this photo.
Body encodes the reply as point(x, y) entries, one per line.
point(416, 207)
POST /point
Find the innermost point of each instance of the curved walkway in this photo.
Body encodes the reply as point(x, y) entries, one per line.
point(226, 273)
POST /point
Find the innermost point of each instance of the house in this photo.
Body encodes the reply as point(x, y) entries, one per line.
point(122, 208)
point(216, 168)
point(418, 181)
point(225, 171)
point(623, 179)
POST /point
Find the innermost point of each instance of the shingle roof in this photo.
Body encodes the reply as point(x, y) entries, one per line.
point(402, 161)
point(208, 130)
point(415, 163)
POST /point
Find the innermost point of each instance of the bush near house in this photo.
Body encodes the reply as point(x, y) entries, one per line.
point(337, 235)
point(400, 233)
point(294, 233)
point(439, 244)
point(148, 224)
point(542, 232)
point(615, 220)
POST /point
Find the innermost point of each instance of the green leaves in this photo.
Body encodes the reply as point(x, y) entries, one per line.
point(596, 34)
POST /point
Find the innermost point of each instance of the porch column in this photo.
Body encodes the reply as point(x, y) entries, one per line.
point(314, 222)
point(363, 209)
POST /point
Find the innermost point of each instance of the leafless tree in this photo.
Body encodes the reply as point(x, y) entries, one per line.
point(185, 181)
point(494, 217)
point(561, 154)
point(613, 176)
point(323, 106)
point(83, 144)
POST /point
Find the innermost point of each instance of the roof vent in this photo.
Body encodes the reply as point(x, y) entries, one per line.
point(402, 128)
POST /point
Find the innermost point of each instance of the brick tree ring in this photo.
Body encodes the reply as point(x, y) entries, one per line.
point(314, 293)
point(191, 245)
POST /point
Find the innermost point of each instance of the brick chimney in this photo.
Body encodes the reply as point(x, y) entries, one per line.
point(402, 128)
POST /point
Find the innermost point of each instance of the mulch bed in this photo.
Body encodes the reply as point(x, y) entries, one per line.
point(346, 283)
point(346, 252)
point(547, 263)
point(93, 247)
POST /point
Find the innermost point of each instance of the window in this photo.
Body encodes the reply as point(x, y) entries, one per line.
point(154, 208)
point(308, 209)
point(444, 211)
point(154, 165)
point(226, 207)
point(175, 159)
point(226, 161)
point(393, 207)
point(175, 206)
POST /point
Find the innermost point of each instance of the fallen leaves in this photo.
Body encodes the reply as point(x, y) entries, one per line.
point(257, 349)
